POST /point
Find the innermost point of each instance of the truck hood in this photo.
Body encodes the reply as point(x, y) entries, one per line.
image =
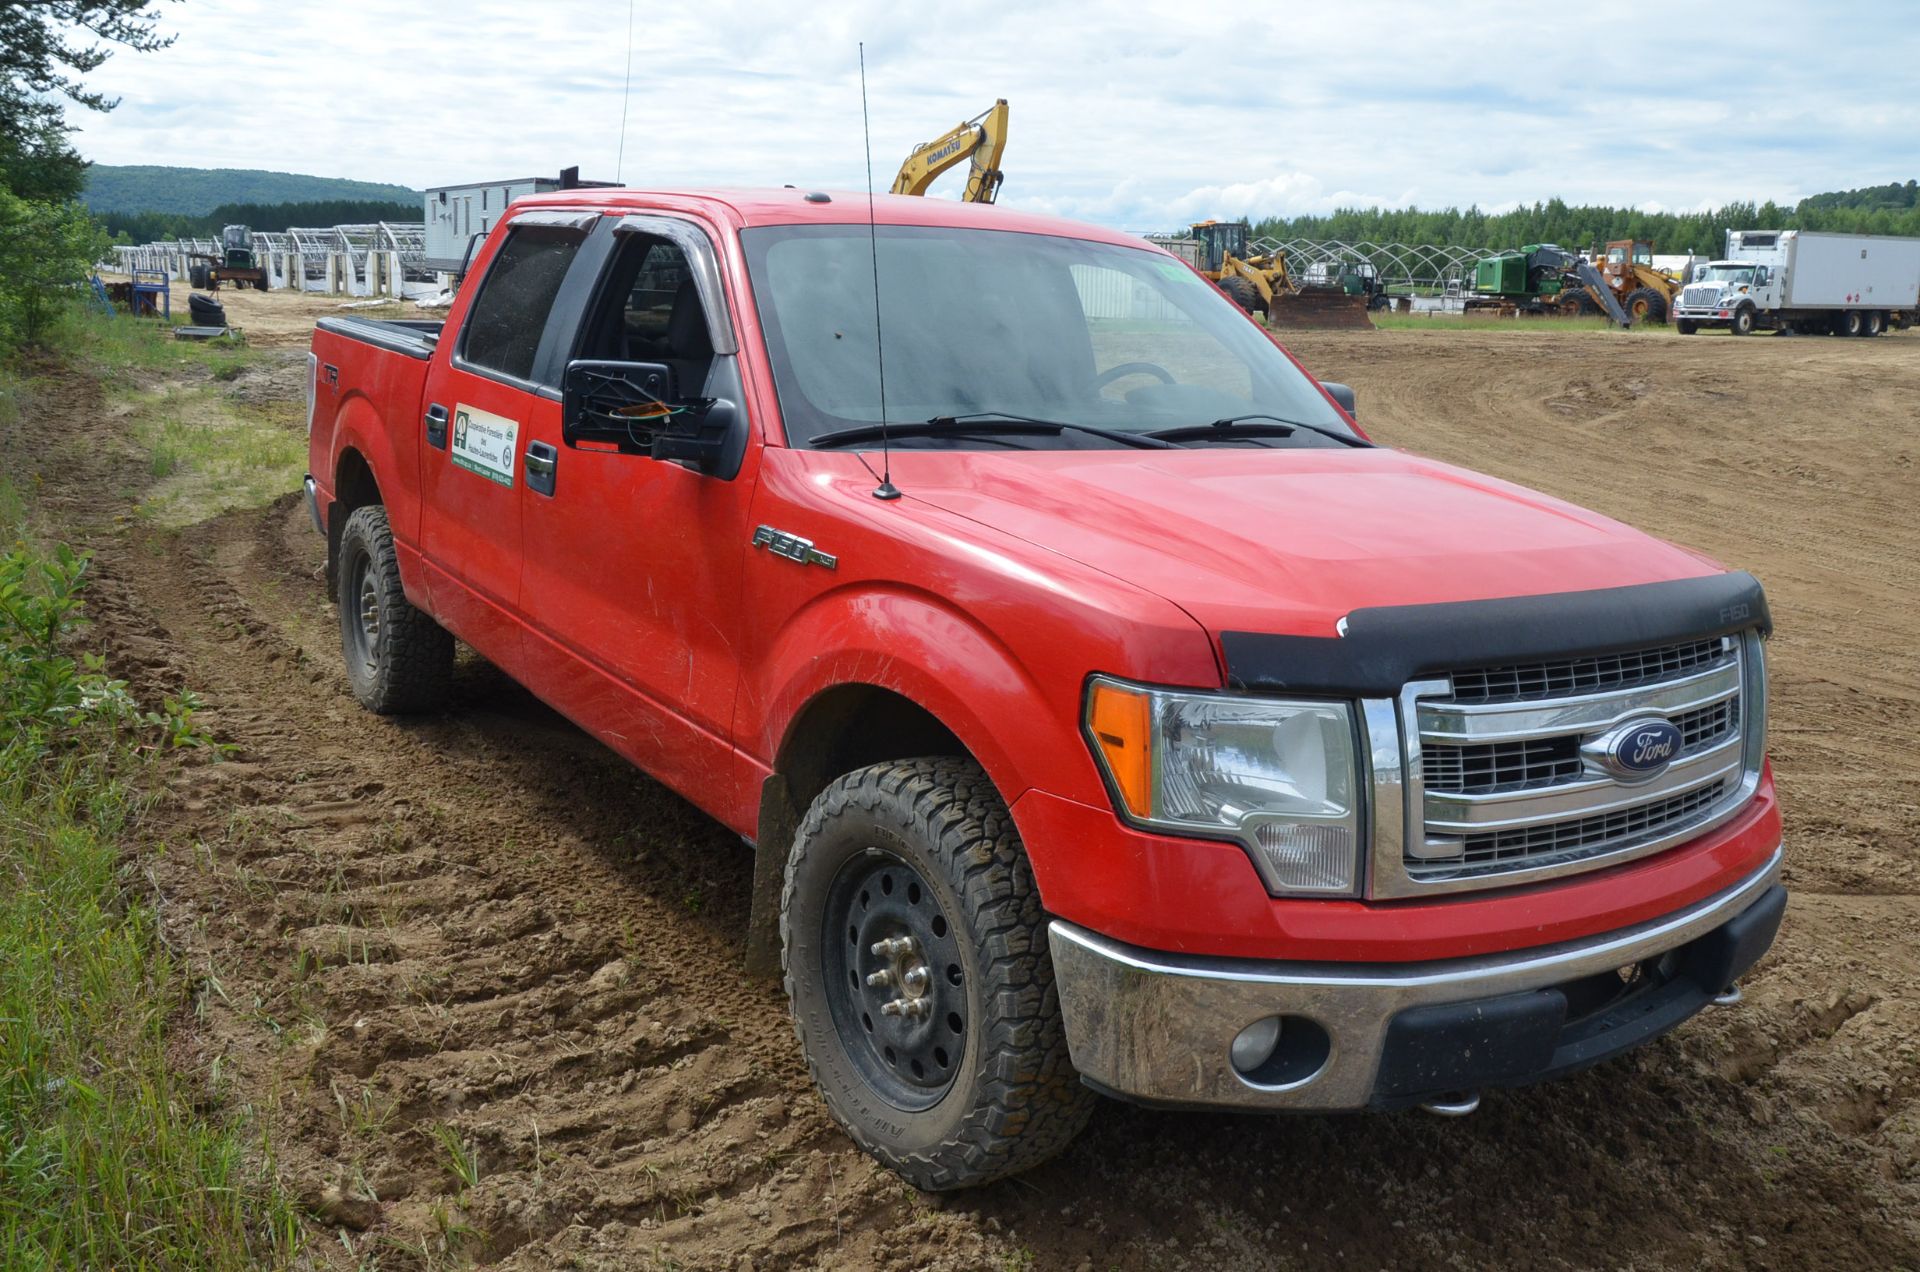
point(1291, 541)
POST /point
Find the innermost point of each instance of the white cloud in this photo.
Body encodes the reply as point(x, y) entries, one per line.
point(1140, 116)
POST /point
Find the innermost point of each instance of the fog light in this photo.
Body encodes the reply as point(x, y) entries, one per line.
point(1254, 1045)
point(1309, 857)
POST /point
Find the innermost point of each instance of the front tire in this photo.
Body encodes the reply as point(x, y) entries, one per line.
point(1644, 304)
point(398, 659)
point(915, 955)
point(1743, 321)
point(1243, 292)
point(1686, 326)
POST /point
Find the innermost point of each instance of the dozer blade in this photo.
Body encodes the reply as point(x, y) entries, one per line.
point(1318, 307)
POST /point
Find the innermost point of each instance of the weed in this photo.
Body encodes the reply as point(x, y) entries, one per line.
point(463, 1159)
point(108, 1160)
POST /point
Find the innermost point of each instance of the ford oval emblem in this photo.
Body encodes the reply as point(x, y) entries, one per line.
point(1635, 751)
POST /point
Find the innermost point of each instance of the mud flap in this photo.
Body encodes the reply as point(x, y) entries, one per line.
point(779, 821)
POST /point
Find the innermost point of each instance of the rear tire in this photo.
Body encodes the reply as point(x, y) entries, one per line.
point(965, 1079)
point(1848, 322)
point(1644, 304)
point(1874, 323)
point(398, 659)
point(1686, 326)
point(1743, 321)
point(1243, 292)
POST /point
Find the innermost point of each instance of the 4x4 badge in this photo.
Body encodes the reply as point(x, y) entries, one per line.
point(792, 547)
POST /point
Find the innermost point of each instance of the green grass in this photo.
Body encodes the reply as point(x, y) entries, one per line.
point(124, 350)
point(108, 1157)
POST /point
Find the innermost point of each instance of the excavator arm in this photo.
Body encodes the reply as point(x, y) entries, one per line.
point(983, 139)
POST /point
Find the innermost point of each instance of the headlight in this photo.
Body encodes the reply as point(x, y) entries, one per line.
point(1278, 775)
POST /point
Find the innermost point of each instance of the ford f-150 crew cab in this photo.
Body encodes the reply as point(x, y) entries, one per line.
point(1106, 711)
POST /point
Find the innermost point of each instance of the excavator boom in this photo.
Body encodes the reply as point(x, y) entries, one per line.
point(982, 139)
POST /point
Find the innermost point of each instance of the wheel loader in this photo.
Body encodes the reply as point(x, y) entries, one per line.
point(1259, 282)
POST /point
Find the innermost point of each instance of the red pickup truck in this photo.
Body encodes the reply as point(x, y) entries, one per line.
point(1106, 711)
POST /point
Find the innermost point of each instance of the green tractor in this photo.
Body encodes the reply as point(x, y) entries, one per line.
point(1542, 278)
point(237, 263)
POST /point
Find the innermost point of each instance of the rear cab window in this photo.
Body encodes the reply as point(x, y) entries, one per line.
point(509, 316)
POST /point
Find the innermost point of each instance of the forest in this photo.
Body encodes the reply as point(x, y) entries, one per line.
point(1885, 209)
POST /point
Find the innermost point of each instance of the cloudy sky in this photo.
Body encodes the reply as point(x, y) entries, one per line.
point(1138, 116)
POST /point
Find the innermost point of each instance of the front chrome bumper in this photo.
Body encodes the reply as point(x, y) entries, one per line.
point(1158, 1028)
point(313, 504)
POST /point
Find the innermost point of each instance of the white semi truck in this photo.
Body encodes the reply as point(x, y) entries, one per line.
point(1804, 281)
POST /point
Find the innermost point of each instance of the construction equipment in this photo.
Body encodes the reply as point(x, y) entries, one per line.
point(1644, 292)
point(1259, 282)
point(982, 139)
point(236, 262)
point(1542, 278)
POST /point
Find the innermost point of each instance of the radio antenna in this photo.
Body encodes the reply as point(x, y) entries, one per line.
point(886, 489)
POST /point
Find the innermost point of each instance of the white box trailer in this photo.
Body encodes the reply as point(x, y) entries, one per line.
point(1805, 281)
point(458, 216)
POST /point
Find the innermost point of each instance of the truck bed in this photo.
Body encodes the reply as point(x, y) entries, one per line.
point(412, 337)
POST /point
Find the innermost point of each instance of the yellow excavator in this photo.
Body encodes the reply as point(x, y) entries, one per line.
point(982, 139)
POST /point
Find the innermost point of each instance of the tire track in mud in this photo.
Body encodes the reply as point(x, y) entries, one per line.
point(486, 922)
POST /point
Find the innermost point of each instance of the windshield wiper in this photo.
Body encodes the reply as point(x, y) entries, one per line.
point(1277, 426)
point(985, 423)
point(1111, 434)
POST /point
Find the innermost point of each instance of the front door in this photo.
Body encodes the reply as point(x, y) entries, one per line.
point(632, 579)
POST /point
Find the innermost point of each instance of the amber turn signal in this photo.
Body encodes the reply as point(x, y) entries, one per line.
point(1118, 720)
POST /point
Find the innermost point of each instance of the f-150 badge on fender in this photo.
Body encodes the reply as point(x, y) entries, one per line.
point(792, 547)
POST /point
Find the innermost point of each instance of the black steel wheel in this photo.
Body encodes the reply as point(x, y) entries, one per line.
point(903, 1017)
point(1743, 322)
point(915, 954)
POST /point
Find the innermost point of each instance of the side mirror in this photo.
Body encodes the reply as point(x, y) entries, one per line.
point(634, 406)
point(1341, 394)
point(620, 402)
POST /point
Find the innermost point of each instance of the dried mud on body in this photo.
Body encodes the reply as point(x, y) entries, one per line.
point(481, 980)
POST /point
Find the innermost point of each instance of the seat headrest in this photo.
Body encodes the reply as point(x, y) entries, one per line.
point(687, 325)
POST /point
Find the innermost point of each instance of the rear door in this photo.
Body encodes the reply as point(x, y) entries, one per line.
point(485, 397)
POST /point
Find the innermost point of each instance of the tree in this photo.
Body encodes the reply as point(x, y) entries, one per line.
point(45, 46)
point(45, 250)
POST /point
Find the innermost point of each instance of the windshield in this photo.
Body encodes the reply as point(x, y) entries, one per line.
point(994, 322)
point(1738, 274)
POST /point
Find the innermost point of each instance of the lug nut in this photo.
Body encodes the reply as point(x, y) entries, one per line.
point(892, 1007)
point(881, 979)
point(915, 981)
point(893, 947)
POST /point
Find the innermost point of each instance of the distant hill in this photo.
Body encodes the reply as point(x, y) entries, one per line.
point(197, 191)
point(1893, 197)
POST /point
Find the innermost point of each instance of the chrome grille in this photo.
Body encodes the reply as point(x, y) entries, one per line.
point(1568, 676)
point(1700, 297)
point(1498, 789)
point(1506, 766)
point(1602, 832)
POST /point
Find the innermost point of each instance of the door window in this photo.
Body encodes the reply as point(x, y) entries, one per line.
point(510, 314)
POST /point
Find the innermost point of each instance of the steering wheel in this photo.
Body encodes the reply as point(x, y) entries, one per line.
point(1153, 369)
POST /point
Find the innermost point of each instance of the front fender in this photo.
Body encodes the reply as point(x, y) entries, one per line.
point(929, 651)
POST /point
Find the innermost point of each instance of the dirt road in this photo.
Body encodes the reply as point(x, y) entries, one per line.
point(480, 980)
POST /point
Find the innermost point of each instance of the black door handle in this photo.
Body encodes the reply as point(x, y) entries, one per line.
point(437, 426)
point(542, 463)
